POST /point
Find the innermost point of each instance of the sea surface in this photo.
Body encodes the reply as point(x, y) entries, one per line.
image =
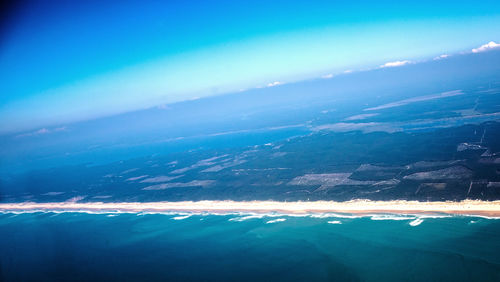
point(178, 247)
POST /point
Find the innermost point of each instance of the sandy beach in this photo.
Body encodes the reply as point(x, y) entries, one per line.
point(355, 207)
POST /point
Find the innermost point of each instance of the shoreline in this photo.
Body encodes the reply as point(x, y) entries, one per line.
point(490, 209)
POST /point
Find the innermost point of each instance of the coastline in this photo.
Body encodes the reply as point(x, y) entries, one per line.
point(490, 209)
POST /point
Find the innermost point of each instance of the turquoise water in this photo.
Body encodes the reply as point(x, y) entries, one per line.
point(156, 247)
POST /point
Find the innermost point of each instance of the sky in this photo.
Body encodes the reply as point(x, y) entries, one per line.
point(67, 61)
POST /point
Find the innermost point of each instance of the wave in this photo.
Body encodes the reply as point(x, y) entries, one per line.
point(336, 215)
point(416, 222)
point(181, 217)
point(391, 217)
point(243, 218)
point(276, 220)
point(335, 222)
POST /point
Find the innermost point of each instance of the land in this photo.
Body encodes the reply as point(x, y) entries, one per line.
point(433, 139)
point(432, 165)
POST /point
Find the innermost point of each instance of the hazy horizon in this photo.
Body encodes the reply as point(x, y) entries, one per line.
point(65, 63)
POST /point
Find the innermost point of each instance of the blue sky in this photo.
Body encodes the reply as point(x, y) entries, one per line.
point(65, 61)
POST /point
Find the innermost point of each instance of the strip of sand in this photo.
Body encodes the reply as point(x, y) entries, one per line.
point(356, 207)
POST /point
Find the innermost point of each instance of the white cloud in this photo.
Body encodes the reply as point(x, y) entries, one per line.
point(361, 116)
point(326, 76)
point(486, 47)
point(42, 131)
point(271, 84)
point(395, 64)
point(163, 107)
point(444, 56)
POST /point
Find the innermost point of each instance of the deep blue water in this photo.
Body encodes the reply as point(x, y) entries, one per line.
point(130, 247)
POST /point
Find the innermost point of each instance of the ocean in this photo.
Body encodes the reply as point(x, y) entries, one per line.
point(178, 247)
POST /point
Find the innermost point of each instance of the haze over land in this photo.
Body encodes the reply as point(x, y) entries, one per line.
point(379, 135)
